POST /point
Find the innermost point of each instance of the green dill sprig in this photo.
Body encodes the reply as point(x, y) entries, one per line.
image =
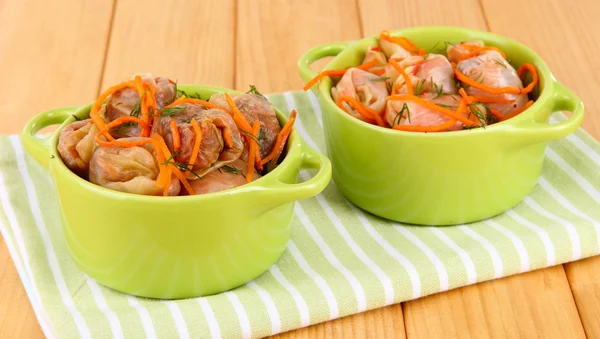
point(76, 117)
point(389, 86)
point(250, 136)
point(167, 111)
point(231, 169)
point(499, 62)
point(380, 79)
point(194, 95)
point(400, 114)
point(439, 90)
point(475, 110)
point(420, 86)
point(181, 166)
point(261, 134)
point(253, 90)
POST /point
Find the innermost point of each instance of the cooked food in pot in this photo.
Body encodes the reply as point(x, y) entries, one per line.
point(145, 136)
point(401, 86)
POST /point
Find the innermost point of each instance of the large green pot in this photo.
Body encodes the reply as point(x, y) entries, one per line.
point(440, 178)
point(176, 247)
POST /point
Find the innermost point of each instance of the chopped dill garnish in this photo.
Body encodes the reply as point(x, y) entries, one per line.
point(499, 62)
point(250, 136)
point(231, 169)
point(400, 115)
point(182, 167)
point(389, 86)
point(194, 95)
point(117, 104)
point(475, 110)
point(439, 90)
point(379, 79)
point(253, 90)
point(76, 117)
point(478, 77)
point(420, 86)
point(167, 111)
point(261, 134)
point(52, 156)
point(446, 106)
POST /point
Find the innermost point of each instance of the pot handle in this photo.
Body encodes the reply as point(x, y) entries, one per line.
point(317, 53)
point(37, 147)
point(281, 192)
point(532, 131)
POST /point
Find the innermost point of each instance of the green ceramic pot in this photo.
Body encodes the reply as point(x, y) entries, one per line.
point(176, 247)
point(440, 178)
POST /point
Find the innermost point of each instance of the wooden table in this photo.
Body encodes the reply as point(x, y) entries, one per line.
point(61, 52)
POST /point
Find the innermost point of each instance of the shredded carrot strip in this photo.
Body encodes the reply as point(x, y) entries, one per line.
point(496, 114)
point(184, 100)
point(227, 138)
point(281, 139)
point(368, 113)
point(421, 128)
point(115, 123)
point(160, 179)
point(402, 41)
point(432, 106)
point(340, 72)
point(534, 75)
point(98, 103)
point(143, 102)
point(468, 100)
point(196, 149)
point(378, 71)
point(376, 49)
point(176, 136)
point(479, 49)
point(238, 117)
point(499, 90)
point(409, 89)
point(519, 111)
point(252, 151)
point(163, 147)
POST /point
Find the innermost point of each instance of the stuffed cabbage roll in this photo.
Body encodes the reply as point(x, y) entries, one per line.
point(216, 127)
point(126, 102)
point(380, 61)
point(409, 112)
point(76, 145)
point(255, 107)
point(430, 73)
point(131, 170)
point(492, 70)
point(226, 177)
point(366, 87)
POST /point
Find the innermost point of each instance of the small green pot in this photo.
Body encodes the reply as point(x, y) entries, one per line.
point(176, 247)
point(440, 178)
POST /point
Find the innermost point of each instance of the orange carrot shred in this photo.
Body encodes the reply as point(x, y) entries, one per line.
point(421, 128)
point(252, 151)
point(281, 139)
point(163, 147)
point(368, 113)
point(176, 136)
point(184, 100)
point(498, 90)
point(227, 138)
point(432, 106)
point(534, 75)
point(98, 121)
point(340, 72)
point(115, 123)
point(196, 149)
point(407, 81)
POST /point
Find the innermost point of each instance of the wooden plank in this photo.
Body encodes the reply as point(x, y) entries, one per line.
point(191, 41)
point(512, 307)
point(566, 36)
point(584, 278)
point(395, 14)
point(51, 55)
point(384, 323)
point(272, 35)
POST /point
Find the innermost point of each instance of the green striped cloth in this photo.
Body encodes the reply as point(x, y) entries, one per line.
point(339, 261)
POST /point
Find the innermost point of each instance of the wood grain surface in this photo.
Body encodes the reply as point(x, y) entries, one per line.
point(65, 51)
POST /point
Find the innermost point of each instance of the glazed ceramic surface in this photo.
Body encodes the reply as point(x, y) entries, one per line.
point(440, 178)
point(176, 247)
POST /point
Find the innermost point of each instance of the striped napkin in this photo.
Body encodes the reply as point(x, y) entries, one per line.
point(339, 261)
